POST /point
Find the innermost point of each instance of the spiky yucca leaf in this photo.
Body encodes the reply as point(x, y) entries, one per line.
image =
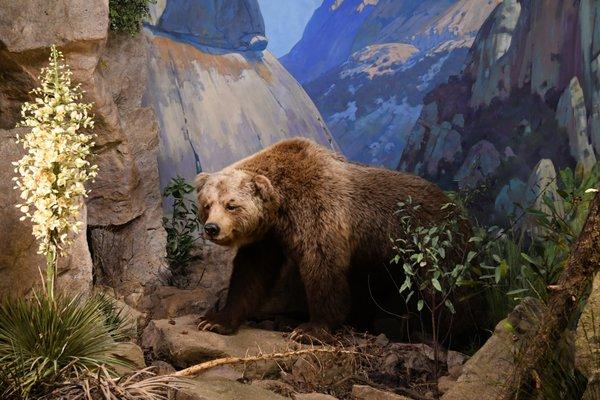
point(44, 340)
point(142, 385)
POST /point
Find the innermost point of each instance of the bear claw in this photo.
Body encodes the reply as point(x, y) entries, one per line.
point(210, 326)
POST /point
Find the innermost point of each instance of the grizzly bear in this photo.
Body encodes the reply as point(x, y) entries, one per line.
point(297, 202)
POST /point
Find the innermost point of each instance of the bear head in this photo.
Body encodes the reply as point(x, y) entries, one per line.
point(236, 207)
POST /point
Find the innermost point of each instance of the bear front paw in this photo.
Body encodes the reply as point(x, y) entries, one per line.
point(211, 324)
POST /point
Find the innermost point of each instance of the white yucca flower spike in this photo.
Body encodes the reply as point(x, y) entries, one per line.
point(52, 174)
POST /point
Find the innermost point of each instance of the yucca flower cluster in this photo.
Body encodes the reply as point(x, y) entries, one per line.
point(51, 176)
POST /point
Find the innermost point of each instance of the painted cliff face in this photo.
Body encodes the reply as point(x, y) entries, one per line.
point(368, 64)
point(217, 94)
point(525, 106)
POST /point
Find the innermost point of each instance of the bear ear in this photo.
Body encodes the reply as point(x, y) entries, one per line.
point(200, 181)
point(264, 188)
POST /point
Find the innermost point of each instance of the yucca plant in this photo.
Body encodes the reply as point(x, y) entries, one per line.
point(44, 341)
point(49, 339)
point(142, 385)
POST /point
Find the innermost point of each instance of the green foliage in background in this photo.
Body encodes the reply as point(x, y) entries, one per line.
point(44, 341)
point(527, 257)
point(128, 15)
point(183, 225)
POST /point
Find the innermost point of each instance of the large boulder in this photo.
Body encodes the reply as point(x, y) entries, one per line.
point(223, 389)
point(571, 114)
point(490, 367)
point(226, 24)
point(215, 106)
point(123, 209)
point(179, 342)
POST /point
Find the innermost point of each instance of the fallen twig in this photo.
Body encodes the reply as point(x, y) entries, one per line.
point(199, 368)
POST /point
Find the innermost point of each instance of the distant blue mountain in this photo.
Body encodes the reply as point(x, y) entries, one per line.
point(328, 39)
point(367, 64)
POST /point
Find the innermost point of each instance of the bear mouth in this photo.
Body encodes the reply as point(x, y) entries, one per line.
point(221, 241)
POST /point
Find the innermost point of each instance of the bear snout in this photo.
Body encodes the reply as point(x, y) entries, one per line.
point(212, 230)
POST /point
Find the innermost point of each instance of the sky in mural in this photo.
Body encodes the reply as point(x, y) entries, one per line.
point(285, 21)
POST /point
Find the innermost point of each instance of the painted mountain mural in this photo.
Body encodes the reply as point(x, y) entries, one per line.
point(367, 65)
point(218, 94)
point(526, 105)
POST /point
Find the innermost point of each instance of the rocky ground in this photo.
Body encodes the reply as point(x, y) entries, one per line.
point(358, 366)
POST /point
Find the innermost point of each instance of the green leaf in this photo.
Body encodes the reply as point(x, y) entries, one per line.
point(497, 275)
point(530, 260)
point(406, 285)
point(450, 306)
point(420, 304)
point(516, 291)
point(436, 284)
point(470, 256)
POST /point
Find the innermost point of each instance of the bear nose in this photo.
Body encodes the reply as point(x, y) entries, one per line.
point(211, 229)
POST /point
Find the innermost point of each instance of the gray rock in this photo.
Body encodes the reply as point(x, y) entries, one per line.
point(215, 108)
point(123, 209)
point(510, 197)
point(179, 342)
point(363, 392)
point(481, 162)
point(227, 24)
point(486, 63)
point(23, 28)
point(571, 114)
point(162, 368)
point(455, 362)
point(489, 368)
point(313, 396)
point(223, 389)
point(278, 387)
point(132, 354)
point(542, 183)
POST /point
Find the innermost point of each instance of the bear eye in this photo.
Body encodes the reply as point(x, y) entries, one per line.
point(207, 206)
point(231, 207)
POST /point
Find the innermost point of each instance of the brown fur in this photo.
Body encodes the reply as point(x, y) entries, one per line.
point(311, 207)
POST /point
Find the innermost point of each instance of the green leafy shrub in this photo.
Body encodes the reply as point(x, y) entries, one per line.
point(434, 266)
point(44, 341)
point(128, 15)
point(183, 225)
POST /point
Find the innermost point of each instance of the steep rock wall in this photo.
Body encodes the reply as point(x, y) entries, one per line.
point(529, 89)
point(126, 192)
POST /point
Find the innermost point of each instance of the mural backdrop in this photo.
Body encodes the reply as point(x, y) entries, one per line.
point(464, 92)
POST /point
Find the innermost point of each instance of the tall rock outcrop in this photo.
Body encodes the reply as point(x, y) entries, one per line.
point(530, 88)
point(217, 94)
point(368, 64)
point(127, 241)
